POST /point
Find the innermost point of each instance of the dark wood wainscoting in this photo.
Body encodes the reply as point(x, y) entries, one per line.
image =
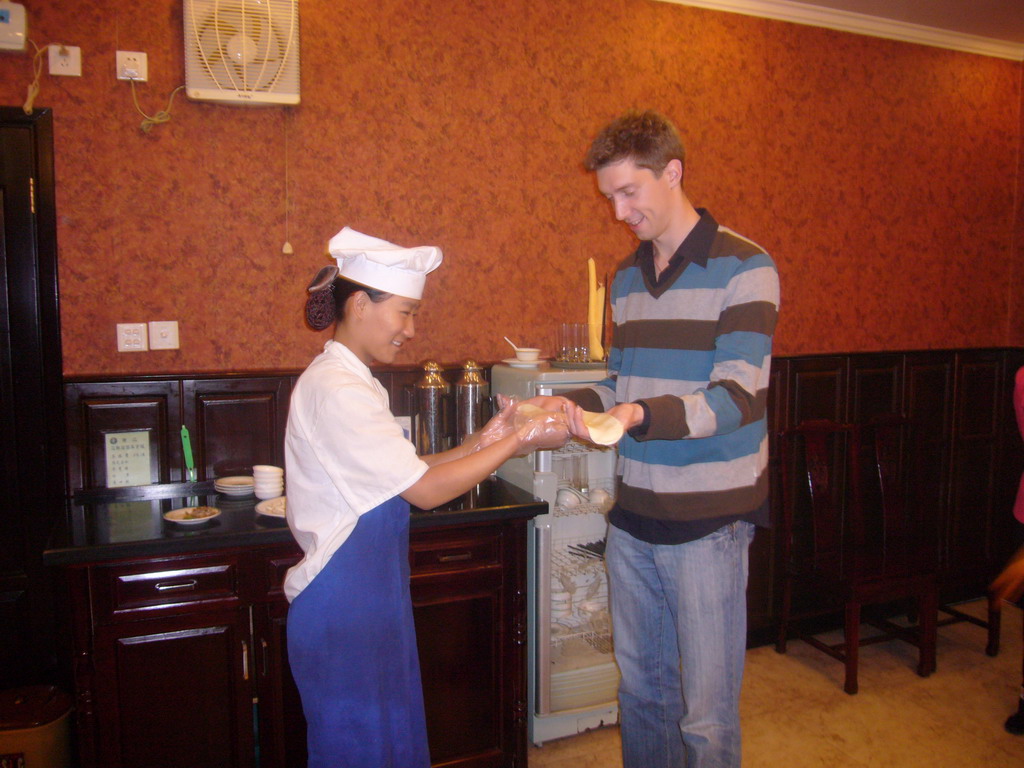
point(968, 453)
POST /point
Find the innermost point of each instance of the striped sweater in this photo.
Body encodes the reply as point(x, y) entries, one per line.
point(694, 347)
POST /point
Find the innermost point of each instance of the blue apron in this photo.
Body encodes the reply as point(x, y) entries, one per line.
point(352, 650)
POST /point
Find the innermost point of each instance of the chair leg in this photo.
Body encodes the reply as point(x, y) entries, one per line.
point(851, 633)
point(787, 600)
point(995, 617)
point(927, 629)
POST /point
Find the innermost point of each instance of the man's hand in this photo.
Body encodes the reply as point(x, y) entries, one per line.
point(630, 414)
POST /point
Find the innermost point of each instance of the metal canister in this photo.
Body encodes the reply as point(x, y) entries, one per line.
point(432, 392)
point(470, 395)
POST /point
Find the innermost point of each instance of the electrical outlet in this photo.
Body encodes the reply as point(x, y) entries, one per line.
point(163, 334)
point(132, 65)
point(132, 337)
point(65, 60)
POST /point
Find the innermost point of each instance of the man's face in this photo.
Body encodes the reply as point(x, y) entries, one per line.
point(640, 198)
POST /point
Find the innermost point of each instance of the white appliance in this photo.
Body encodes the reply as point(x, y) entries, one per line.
point(12, 26)
point(242, 51)
point(573, 680)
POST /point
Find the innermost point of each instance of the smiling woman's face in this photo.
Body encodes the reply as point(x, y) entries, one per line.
point(381, 328)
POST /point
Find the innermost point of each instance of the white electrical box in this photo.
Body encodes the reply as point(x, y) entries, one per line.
point(132, 337)
point(163, 334)
point(13, 32)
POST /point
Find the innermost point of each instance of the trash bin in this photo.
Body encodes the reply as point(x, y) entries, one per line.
point(35, 727)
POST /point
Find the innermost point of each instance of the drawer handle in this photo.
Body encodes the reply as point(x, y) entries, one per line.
point(454, 558)
point(165, 587)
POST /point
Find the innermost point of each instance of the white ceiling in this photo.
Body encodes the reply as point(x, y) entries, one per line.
point(987, 27)
point(998, 19)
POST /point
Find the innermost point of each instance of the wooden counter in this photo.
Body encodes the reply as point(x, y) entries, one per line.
point(178, 632)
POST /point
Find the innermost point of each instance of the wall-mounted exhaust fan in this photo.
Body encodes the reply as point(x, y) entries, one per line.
point(242, 51)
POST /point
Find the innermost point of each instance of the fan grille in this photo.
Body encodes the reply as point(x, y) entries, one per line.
point(242, 51)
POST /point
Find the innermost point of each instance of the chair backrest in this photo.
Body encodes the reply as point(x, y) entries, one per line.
point(850, 485)
point(907, 529)
point(816, 470)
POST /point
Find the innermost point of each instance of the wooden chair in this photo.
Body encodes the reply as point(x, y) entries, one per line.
point(992, 625)
point(855, 543)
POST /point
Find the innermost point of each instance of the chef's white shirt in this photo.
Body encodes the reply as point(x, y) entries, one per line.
point(344, 455)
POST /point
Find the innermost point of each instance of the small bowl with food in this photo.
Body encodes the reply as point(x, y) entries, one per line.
point(191, 515)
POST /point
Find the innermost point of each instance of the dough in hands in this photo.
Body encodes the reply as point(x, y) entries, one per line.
point(604, 428)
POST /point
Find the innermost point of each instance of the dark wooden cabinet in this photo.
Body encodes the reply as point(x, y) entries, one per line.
point(224, 416)
point(180, 690)
point(31, 430)
point(233, 421)
point(166, 661)
point(473, 681)
point(182, 660)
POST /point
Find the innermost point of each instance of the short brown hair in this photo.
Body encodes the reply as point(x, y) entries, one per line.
point(647, 138)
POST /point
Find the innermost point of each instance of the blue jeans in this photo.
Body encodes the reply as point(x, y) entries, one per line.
point(679, 619)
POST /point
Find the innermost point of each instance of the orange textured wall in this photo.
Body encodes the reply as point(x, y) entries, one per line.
point(883, 176)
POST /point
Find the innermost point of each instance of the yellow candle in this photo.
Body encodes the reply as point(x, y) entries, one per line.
point(595, 309)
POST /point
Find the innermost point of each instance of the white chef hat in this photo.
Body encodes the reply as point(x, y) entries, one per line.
point(382, 265)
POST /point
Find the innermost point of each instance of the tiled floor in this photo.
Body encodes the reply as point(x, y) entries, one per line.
point(795, 713)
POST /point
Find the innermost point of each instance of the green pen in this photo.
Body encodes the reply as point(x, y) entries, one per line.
point(186, 447)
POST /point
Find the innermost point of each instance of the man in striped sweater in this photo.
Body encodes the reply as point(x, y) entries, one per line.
point(694, 309)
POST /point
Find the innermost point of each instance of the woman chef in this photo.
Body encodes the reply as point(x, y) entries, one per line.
point(352, 475)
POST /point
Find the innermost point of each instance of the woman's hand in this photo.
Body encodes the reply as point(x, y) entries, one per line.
point(549, 402)
point(539, 429)
point(558, 404)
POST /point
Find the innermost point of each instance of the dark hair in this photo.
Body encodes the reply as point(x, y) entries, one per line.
point(344, 288)
point(647, 138)
point(328, 304)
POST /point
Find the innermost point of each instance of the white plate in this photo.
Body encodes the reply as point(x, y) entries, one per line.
point(236, 480)
point(234, 491)
point(272, 507)
point(178, 516)
point(517, 363)
point(239, 485)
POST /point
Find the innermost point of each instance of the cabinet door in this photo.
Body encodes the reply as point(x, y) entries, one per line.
point(31, 429)
point(236, 423)
point(282, 726)
point(468, 608)
point(970, 546)
point(175, 692)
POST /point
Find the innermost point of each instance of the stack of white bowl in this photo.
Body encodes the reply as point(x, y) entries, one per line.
point(236, 485)
point(269, 481)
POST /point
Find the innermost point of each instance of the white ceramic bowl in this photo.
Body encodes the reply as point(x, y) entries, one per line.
point(568, 497)
point(527, 354)
point(266, 470)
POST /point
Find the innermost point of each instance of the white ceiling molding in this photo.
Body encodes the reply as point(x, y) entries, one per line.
point(862, 24)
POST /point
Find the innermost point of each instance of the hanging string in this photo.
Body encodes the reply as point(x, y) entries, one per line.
point(287, 247)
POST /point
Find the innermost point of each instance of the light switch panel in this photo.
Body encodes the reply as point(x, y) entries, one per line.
point(131, 337)
point(163, 334)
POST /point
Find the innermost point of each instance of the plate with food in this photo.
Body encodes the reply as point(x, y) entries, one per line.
point(191, 515)
point(272, 507)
